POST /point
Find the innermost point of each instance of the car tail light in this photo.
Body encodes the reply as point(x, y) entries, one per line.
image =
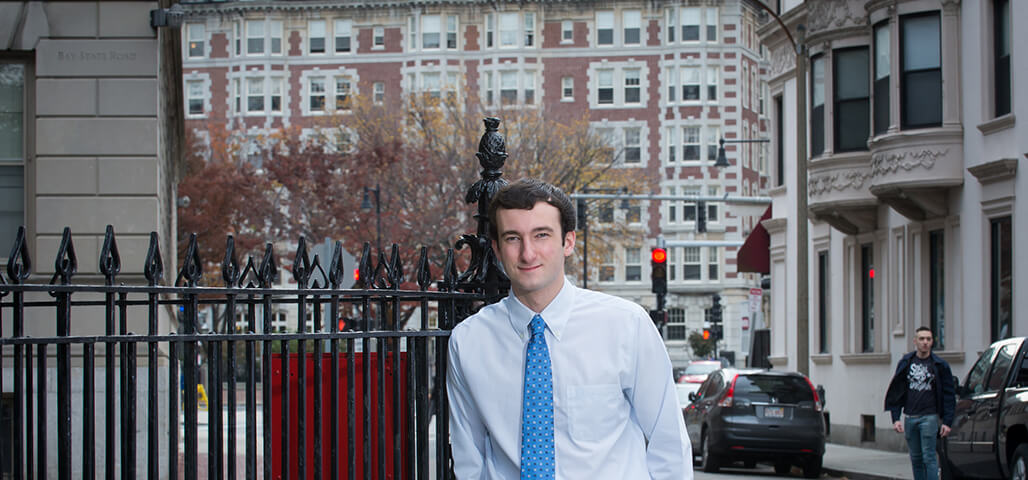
point(817, 400)
point(726, 401)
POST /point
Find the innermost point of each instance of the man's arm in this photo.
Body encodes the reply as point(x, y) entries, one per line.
point(949, 399)
point(655, 405)
point(467, 433)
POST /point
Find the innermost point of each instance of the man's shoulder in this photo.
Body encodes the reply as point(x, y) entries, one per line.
point(606, 301)
point(481, 320)
point(939, 360)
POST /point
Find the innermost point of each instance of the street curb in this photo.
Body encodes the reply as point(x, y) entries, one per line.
point(835, 472)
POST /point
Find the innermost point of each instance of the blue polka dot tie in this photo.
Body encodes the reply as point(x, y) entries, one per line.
point(537, 408)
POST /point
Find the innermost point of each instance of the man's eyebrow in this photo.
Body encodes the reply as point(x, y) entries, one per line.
point(545, 228)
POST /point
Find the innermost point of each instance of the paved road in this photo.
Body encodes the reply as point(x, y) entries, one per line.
point(764, 471)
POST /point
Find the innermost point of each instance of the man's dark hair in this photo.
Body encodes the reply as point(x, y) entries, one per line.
point(924, 329)
point(523, 194)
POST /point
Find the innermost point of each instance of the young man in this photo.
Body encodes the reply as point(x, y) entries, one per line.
point(923, 389)
point(555, 381)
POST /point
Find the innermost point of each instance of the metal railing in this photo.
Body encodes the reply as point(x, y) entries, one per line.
point(326, 401)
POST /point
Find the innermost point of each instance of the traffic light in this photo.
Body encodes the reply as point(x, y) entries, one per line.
point(580, 211)
point(658, 270)
point(706, 334)
point(715, 317)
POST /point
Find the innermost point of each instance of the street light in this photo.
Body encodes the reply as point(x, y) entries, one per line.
point(366, 207)
point(721, 160)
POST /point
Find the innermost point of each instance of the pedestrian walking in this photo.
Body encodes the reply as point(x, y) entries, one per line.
point(922, 388)
point(556, 381)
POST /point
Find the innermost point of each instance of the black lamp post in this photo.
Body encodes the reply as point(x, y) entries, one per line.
point(366, 207)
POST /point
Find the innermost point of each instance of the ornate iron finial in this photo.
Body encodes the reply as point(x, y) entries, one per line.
point(269, 268)
point(336, 275)
point(230, 266)
point(424, 272)
point(19, 264)
point(364, 267)
point(484, 273)
point(316, 268)
point(394, 269)
point(246, 279)
point(153, 266)
point(302, 264)
point(110, 260)
point(66, 263)
point(449, 281)
point(192, 268)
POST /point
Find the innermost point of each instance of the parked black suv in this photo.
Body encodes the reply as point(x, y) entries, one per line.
point(989, 437)
point(757, 415)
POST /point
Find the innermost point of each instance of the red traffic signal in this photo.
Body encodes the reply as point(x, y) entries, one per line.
point(706, 334)
point(658, 255)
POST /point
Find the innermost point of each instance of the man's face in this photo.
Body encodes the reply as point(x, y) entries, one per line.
point(923, 341)
point(532, 251)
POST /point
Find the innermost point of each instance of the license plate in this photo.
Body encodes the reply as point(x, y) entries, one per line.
point(774, 412)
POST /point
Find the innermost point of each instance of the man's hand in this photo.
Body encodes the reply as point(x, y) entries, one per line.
point(898, 426)
point(944, 430)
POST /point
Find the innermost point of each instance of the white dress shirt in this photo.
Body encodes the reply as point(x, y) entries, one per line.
point(616, 413)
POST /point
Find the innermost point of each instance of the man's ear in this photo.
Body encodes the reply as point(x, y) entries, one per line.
point(569, 243)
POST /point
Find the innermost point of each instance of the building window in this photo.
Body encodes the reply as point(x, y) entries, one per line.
point(631, 20)
point(412, 33)
point(508, 30)
point(669, 25)
point(255, 37)
point(712, 72)
point(690, 21)
point(671, 82)
point(671, 270)
point(851, 96)
point(936, 287)
point(451, 32)
point(713, 138)
point(1001, 278)
point(196, 32)
point(343, 34)
point(676, 329)
point(316, 36)
point(605, 87)
point(342, 93)
point(690, 77)
point(633, 146)
point(779, 142)
point(430, 31)
point(691, 144)
point(508, 87)
point(379, 91)
point(1001, 55)
point(632, 85)
point(567, 88)
point(921, 64)
point(822, 302)
point(567, 31)
point(817, 106)
point(607, 268)
point(712, 25)
point(605, 28)
point(867, 298)
point(490, 28)
point(194, 98)
point(430, 83)
point(712, 207)
point(378, 39)
point(276, 95)
point(713, 263)
point(669, 141)
point(254, 95)
point(489, 88)
point(237, 94)
point(529, 29)
point(317, 94)
point(633, 265)
point(528, 81)
point(276, 36)
point(12, 152)
point(691, 263)
point(237, 36)
point(606, 214)
point(633, 214)
point(881, 83)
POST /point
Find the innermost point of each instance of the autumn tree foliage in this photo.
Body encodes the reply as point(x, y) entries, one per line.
point(311, 180)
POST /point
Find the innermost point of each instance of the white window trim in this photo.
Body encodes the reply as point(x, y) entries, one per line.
point(203, 41)
point(263, 37)
point(376, 33)
point(520, 72)
point(353, 37)
point(330, 88)
point(619, 83)
point(563, 28)
point(617, 130)
point(206, 89)
point(325, 37)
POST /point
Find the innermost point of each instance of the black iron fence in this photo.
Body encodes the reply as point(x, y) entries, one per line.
point(347, 394)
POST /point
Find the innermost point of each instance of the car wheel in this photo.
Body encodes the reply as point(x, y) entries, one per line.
point(1019, 464)
point(812, 467)
point(783, 467)
point(710, 462)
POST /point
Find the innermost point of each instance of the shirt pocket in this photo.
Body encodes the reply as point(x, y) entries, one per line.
point(595, 412)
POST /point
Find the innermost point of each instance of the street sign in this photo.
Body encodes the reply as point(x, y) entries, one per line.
point(756, 295)
point(745, 323)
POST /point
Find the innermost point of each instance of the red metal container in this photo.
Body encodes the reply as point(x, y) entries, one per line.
point(392, 433)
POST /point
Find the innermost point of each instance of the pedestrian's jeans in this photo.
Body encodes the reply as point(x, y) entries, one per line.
point(921, 431)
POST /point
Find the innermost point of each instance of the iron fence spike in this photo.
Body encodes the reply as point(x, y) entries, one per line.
point(269, 268)
point(302, 264)
point(110, 259)
point(364, 267)
point(336, 275)
point(153, 267)
point(66, 263)
point(424, 272)
point(230, 266)
point(19, 264)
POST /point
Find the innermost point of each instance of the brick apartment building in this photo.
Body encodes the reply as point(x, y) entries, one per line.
point(664, 80)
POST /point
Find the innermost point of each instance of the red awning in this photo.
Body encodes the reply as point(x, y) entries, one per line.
point(754, 255)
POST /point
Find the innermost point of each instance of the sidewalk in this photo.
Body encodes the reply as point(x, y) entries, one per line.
point(866, 464)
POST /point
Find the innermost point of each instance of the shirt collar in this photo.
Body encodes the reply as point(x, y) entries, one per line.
point(556, 314)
